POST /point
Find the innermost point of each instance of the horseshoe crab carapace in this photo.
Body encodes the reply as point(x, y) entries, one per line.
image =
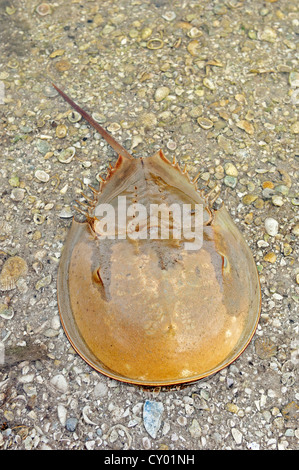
point(147, 310)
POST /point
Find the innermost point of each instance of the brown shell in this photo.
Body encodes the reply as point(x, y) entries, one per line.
point(148, 311)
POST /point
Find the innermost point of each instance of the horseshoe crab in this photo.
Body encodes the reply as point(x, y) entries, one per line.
point(149, 311)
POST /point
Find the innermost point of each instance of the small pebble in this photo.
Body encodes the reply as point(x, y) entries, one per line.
point(196, 111)
point(268, 184)
point(161, 93)
point(17, 194)
point(14, 181)
point(230, 169)
point(295, 97)
point(195, 429)
point(270, 257)
point(282, 189)
point(249, 218)
point(265, 347)
point(146, 33)
point(295, 128)
point(43, 282)
point(163, 87)
point(268, 193)
point(295, 230)
point(249, 199)
point(38, 219)
point(148, 120)
point(232, 408)
point(237, 435)
point(136, 140)
point(169, 16)
point(146, 443)
point(194, 47)
point(71, 424)
point(60, 383)
point(90, 444)
point(42, 146)
point(287, 249)
point(182, 420)
point(268, 34)
point(294, 79)
point(209, 84)
point(50, 333)
point(271, 226)
point(277, 200)
point(230, 181)
point(62, 412)
point(100, 390)
point(61, 131)
point(259, 203)
point(246, 126)
point(66, 213)
point(57, 53)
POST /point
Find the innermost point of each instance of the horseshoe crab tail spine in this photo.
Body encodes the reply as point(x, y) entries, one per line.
point(109, 139)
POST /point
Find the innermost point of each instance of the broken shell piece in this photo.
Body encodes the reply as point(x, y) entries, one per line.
point(6, 312)
point(73, 116)
point(205, 123)
point(67, 155)
point(85, 412)
point(61, 131)
point(42, 176)
point(14, 268)
point(43, 9)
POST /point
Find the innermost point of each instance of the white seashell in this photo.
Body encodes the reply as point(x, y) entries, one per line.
point(42, 176)
point(86, 410)
point(62, 412)
point(67, 155)
point(6, 312)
